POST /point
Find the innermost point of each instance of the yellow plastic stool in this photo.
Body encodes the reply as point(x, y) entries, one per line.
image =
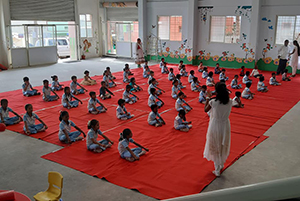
point(54, 191)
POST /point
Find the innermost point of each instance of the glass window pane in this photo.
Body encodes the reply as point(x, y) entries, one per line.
point(164, 27)
point(232, 29)
point(35, 36)
point(89, 29)
point(175, 28)
point(285, 28)
point(134, 31)
point(123, 32)
point(18, 37)
point(217, 29)
point(88, 17)
point(297, 30)
point(49, 36)
point(111, 37)
point(82, 26)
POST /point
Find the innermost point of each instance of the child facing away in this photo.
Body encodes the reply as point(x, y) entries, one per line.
point(210, 80)
point(153, 97)
point(246, 78)
point(234, 83)
point(128, 96)
point(236, 101)
point(191, 76)
point(171, 75)
point(204, 73)
point(180, 65)
point(154, 118)
point(110, 74)
point(255, 73)
point(179, 104)
point(183, 72)
point(195, 85)
point(273, 80)
point(164, 69)
point(180, 122)
point(29, 122)
point(178, 77)
point(87, 80)
point(222, 76)
point(67, 97)
point(203, 94)
point(217, 69)
point(108, 80)
point(146, 72)
point(4, 114)
point(56, 86)
point(247, 94)
point(284, 76)
point(103, 89)
point(261, 86)
point(153, 84)
point(27, 88)
point(92, 135)
point(135, 87)
point(161, 63)
point(242, 73)
point(200, 67)
point(92, 104)
point(73, 86)
point(64, 134)
point(47, 92)
point(122, 112)
point(124, 150)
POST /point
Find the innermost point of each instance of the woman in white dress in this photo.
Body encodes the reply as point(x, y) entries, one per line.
point(294, 60)
point(217, 145)
point(139, 53)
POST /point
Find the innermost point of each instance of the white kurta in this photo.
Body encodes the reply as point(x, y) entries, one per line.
point(217, 145)
point(294, 60)
point(139, 54)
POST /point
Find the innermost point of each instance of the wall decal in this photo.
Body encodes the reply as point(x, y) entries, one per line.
point(204, 10)
point(244, 36)
point(264, 19)
point(153, 26)
point(270, 27)
point(266, 49)
point(244, 11)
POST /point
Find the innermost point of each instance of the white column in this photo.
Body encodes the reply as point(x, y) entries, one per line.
point(142, 14)
point(193, 25)
point(4, 22)
point(254, 26)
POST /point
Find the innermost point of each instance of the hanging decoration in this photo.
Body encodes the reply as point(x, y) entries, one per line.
point(131, 4)
point(244, 11)
point(204, 10)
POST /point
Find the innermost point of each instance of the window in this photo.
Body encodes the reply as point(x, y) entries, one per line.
point(86, 26)
point(288, 27)
point(169, 28)
point(225, 29)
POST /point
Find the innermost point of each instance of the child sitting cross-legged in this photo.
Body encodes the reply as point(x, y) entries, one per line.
point(217, 69)
point(122, 112)
point(87, 80)
point(128, 96)
point(204, 73)
point(73, 86)
point(124, 150)
point(146, 72)
point(4, 114)
point(284, 76)
point(92, 104)
point(92, 135)
point(203, 94)
point(273, 80)
point(246, 78)
point(153, 97)
point(236, 101)
point(47, 92)
point(164, 69)
point(109, 82)
point(191, 76)
point(66, 99)
point(56, 86)
point(154, 118)
point(64, 134)
point(200, 67)
point(110, 74)
point(261, 86)
point(183, 72)
point(103, 89)
point(29, 121)
point(222, 76)
point(153, 84)
point(27, 88)
point(178, 77)
point(171, 75)
point(234, 83)
point(247, 94)
point(195, 85)
point(135, 87)
point(210, 80)
point(179, 105)
point(180, 122)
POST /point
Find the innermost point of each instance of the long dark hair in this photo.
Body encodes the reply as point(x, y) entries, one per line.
point(297, 44)
point(222, 93)
point(62, 114)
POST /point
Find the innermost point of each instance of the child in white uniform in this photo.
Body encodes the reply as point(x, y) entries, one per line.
point(108, 80)
point(234, 83)
point(246, 78)
point(164, 69)
point(161, 63)
point(171, 75)
point(247, 94)
point(56, 86)
point(204, 73)
point(180, 122)
point(191, 76)
point(27, 88)
point(122, 112)
point(154, 118)
point(183, 72)
point(273, 80)
point(4, 114)
point(47, 92)
point(152, 99)
point(195, 85)
point(261, 86)
point(236, 101)
point(210, 80)
point(203, 94)
point(92, 104)
point(222, 76)
point(29, 122)
point(73, 86)
point(66, 99)
point(179, 105)
point(146, 72)
point(128, 96)
point(175, 89)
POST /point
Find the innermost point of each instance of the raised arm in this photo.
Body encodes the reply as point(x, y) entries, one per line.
point(46, 127)
point(17, 115)
point(137, 144)
point(77, 128)
point(105, 137)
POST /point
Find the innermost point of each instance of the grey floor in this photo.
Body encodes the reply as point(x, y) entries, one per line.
point(22, 169)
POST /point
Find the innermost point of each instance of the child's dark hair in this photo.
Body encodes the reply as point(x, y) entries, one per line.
point(210, 74)
point(236, 76)
point(192, 72)
point(204, 87)
point(195, 79)
point(223, 69)
point(128, 87)
point(204, 68)
point(261, 78)
point(92, 123)
point(92, 93)
point(65, 89)
point(153, 107)
point(152, 80)
point(180, 94)
point(107, 68)
point(182, 113)
point(151, 71)
point(174, 81)
point(243, 67)
point(217, 64)
point(121, 101)
point(45, 81)
point(238, 93)
point(27, 106)
point(183, 66)
point(126, 132)
point(102, 82)
point(178, 76)
point(247, 73)
point(171, 69)
point(162, 59)
point(152, 90)
point(4, 101)
point(132, 79)
point(54, 77)
point(73, 77)
point(104, 72)
point(126, 65)
point(273, 74)
point(180, 61)
point(248, 84)
point(62, 114)
point(86, 72)
point(25, 79)
point(285, 70)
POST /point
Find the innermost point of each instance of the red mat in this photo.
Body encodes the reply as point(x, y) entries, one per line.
point(175, 165)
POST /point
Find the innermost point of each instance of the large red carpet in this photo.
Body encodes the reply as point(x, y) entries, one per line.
point(174, 166)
